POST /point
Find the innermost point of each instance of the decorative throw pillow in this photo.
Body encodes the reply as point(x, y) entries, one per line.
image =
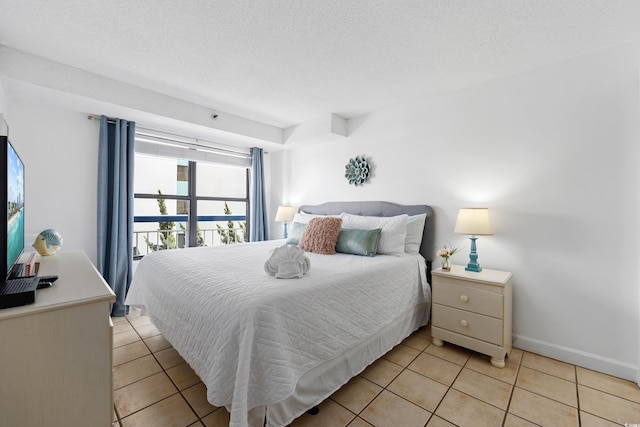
point(295, 233)
point(321, 235)
point(358, 242)
point(413, 238)
point(394, 228)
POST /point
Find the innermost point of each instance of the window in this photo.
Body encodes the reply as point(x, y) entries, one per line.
point(188, 202)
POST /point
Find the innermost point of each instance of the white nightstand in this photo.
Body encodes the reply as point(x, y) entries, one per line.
point(473, 310)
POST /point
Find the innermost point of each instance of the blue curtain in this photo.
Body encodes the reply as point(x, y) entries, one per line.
point(115, 207)
point(258, 219)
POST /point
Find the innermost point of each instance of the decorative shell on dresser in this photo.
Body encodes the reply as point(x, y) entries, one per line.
point(48, 242)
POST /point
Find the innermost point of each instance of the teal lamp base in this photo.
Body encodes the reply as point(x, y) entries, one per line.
point(285, 234)
point(473, 257)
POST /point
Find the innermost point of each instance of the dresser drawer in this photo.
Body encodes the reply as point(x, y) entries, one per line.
point(466, 323)
point(468, 298)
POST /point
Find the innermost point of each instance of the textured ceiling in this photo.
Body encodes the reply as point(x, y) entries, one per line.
point(283, 62)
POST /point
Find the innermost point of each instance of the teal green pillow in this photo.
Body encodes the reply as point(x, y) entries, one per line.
point(295, 233)
point(358, 242)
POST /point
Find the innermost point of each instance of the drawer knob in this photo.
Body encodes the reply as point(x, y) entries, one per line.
point(464, 323)
point(464, 298)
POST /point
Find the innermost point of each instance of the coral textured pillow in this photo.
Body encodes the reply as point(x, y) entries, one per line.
point(321, 235)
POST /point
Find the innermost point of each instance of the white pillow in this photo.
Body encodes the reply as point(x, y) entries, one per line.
point(415, 228)
point(393, 228)
point(304, 218)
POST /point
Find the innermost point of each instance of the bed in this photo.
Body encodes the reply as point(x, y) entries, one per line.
point(269, 349)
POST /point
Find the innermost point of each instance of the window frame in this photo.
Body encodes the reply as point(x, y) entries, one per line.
point(192, 198)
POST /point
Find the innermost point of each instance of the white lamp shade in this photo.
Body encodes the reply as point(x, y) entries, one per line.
point(285, 213)
point(474, 221)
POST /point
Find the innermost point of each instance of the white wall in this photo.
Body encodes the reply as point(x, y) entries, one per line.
point(3, 100)
point(60, 151)
point(554, 154)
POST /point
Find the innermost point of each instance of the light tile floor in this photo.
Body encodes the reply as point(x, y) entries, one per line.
point(415, 384)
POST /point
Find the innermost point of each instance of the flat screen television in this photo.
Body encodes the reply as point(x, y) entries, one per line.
point(12, 225)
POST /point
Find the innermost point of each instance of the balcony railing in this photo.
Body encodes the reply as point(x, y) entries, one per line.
point(144, 240)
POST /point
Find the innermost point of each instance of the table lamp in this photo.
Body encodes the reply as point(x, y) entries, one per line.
point(284, 214)
point(476, 222)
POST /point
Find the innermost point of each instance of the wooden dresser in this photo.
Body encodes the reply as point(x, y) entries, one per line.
point(473, 310)
point(56, 354)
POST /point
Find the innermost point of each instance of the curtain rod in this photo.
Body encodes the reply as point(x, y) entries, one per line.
point(233, 149)
point(109, 119)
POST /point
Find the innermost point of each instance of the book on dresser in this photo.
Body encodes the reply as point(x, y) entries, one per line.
point(30, 265)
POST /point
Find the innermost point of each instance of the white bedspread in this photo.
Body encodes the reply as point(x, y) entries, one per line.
point(250, 336)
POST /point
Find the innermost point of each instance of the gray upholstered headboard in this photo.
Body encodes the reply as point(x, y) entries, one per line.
point(427, 247)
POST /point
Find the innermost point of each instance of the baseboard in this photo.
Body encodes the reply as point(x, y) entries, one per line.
point(591, 361)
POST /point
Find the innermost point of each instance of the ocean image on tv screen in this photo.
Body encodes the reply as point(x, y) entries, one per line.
point(15, 206)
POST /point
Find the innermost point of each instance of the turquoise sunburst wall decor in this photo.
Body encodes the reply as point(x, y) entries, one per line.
point(357, 171)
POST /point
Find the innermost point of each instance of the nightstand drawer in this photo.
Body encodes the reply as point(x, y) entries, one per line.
point(468, 298)
point(466, 323)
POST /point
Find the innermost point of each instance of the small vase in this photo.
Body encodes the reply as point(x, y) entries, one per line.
point(445, 264)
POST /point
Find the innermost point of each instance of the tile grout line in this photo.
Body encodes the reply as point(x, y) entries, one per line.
point(405, 368)
point(577, 407)
point(608, 394)
point(383, 388)
point(115, 410)
point(513, 389)
point(449, 386)
point(575, 373)
point(477, 372)
point(163, 371)
point(153, 354)
point(118, 418)
point(180, 392)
